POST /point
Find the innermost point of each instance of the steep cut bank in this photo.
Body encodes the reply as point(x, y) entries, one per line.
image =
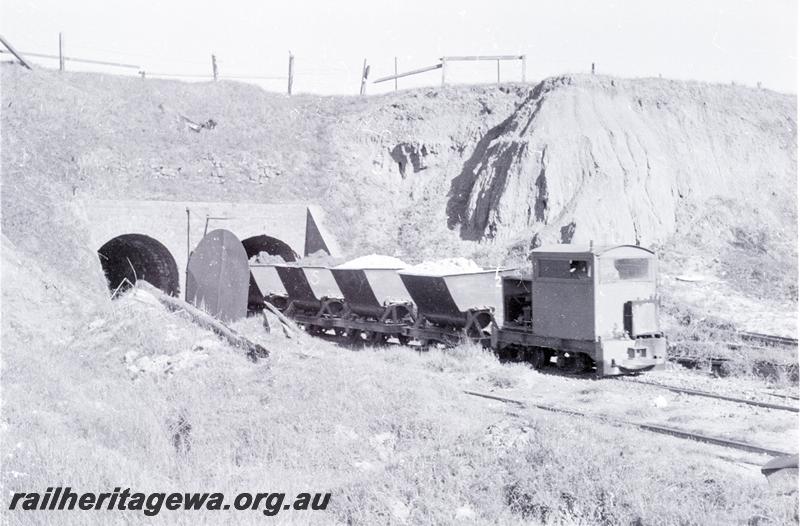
point(621, 160)
point(697, 170)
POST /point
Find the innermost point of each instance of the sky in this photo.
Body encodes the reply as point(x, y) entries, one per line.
point(742, 41)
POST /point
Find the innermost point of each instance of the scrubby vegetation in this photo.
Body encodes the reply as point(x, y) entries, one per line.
point(99, 394)
point(160, 405)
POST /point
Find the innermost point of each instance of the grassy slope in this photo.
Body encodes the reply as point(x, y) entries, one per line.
point(387, 431)
point(99, 135)
point(73, 135)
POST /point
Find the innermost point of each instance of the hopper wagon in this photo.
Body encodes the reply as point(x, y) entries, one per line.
point(270, 285)
point(453, 306)
point(377, 305)
point(312, 297)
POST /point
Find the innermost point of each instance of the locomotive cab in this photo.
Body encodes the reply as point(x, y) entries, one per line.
point(587, 307)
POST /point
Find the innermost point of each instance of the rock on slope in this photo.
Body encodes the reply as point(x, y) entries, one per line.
point(618, 160)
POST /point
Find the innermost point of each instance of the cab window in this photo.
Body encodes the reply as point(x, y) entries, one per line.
point(625, 269)
point(564, 269)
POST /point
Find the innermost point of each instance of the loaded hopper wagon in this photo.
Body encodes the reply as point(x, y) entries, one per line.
point(375, 303)
point(453, 305)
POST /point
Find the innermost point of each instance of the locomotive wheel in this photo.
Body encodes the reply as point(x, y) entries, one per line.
point(564, 362)
point(540, 358)
point(403, 339)
point(339, 331)
point(582, 363)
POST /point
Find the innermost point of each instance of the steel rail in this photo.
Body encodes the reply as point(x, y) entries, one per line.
point(768, 338)
point(781, 395)
point(654, 428)
point(694, 392)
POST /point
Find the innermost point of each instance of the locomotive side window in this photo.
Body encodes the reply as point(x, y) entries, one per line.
point(624, 269)
point(564, 268)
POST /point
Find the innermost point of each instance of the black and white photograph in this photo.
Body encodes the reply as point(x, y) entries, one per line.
point(399, 262)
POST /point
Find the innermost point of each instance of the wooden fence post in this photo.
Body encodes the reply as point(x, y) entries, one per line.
point(498, 71)
point(592, 68)
point(444, 70)
point(395, 73)
point(60, 51)
point(524, 66)
point(364, 75)
point(214, 66)
point(291, 72)
point(14, 52)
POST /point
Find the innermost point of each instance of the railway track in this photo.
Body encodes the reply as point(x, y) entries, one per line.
point(694, 392)
point(768, 338)
point(653, 428)
point(784, 396)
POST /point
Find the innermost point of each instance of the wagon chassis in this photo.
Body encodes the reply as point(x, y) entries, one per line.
point(397, 320)
point(334, 314)
point(476, 328)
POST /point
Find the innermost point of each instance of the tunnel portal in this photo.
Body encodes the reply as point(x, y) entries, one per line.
point(136, 256)
point(272, 246)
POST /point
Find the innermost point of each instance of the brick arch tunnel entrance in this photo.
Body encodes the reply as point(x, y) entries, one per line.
point(136, 256)
point(272, 246)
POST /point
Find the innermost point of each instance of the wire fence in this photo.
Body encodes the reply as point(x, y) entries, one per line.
point(127, 66)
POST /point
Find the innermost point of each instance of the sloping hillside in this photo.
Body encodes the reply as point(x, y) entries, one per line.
point(482, 171)
point(616, 159)
point(103, 394)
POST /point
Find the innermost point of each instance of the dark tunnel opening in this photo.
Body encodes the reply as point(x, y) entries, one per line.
point(136, 256)
point(272, 246)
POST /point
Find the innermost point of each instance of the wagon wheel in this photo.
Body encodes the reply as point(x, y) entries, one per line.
point(353, 336)
point(376, 338)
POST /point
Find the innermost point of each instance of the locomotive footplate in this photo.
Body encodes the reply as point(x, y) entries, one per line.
point(522, 336)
